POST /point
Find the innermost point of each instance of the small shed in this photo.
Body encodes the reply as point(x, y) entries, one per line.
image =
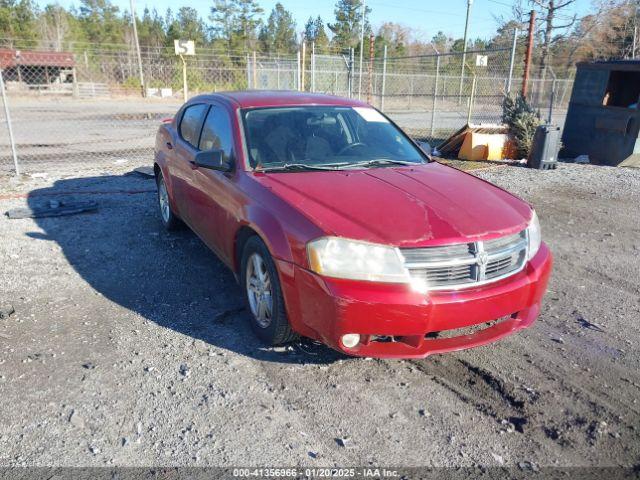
point(603, 120)
point(36, 68)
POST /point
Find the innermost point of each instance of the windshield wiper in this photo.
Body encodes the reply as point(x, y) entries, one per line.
point(295, 167)
point(383, 161)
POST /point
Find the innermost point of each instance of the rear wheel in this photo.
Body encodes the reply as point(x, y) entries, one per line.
point(263, 294)
point(169, 220)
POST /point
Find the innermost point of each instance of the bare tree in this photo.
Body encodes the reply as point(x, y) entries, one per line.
point(549, 10)
point(54, 27)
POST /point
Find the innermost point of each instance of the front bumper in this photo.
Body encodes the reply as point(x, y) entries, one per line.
point(326, 309)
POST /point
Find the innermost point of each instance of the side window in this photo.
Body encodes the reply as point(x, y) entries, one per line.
point(216, 133)
point(191, 123)
point(623, 89)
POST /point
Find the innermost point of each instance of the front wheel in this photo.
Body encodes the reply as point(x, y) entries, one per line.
point(169, 219)
point(263, 294)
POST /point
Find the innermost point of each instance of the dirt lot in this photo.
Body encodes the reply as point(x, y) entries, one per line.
point(129, 346)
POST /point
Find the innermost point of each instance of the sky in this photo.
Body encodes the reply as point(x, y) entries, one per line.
point(424, 17)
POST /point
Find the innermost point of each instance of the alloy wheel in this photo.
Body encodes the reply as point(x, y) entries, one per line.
point(259, 290)
point(163, 199)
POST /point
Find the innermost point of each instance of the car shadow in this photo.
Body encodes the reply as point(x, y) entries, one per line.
point(122, 251)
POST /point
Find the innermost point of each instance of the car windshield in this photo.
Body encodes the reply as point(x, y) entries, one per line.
point(325, 137)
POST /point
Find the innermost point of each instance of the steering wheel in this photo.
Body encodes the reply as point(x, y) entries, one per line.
point(349, 147)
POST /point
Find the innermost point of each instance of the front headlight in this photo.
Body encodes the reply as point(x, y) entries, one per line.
point(341, 258)
point(534, 235)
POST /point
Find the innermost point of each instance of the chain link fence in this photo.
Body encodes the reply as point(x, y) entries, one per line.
point(89, 109)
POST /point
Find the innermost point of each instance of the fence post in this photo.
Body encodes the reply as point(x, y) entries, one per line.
point(248, 73)
point(513, 58)
point(435, 96)
point(7, 116)
point(473, 93)
point(350, 72)
point(255, 70)
point(302, 71)
point(298, 70)
point(76, 87)
point(384, 78)
point(411, 90)
point(553, 94)
point(313, 66)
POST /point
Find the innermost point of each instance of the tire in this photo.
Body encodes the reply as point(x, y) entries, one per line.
point(170, 220)
point(258, 276)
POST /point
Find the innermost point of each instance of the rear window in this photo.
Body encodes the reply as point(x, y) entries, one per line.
point(191, 123)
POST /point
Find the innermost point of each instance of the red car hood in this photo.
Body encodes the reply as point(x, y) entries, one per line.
point(423, 205)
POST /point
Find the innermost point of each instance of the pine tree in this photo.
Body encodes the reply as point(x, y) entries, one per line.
point(151, 29)
point(18, 23)
point(279, 33)
point(102, 23)
point(236, 23)
point(187, 25)
point(347, 27)
point(315, 32)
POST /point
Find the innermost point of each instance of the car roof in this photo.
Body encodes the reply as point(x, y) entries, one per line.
point(276, 98)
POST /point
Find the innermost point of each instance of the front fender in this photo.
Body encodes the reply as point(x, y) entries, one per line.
point(270, 230)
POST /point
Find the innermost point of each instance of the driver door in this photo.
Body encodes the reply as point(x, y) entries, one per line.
point(213, 197)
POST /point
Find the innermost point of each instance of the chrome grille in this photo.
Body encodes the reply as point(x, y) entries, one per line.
point(467, 264)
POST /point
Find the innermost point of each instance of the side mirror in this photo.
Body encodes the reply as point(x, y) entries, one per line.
point(425, 147)
point(212, 159)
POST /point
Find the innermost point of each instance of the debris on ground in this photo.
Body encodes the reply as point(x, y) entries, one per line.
point(480, 142)
point(582, 159)
point(53, 208)
point(75, 419)
point(6, 311)
point(589, 325)
point(344, 442)
point(185, 371)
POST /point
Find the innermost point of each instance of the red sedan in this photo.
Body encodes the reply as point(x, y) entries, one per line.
point(340, 228)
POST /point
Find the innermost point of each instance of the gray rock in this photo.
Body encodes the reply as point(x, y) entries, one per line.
point(75, 419)
point(344, 442)
point(6, 311)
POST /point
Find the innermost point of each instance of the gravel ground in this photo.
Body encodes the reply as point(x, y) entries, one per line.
point(129, 347)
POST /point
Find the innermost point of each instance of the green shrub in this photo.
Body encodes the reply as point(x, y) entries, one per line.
point(522, 120)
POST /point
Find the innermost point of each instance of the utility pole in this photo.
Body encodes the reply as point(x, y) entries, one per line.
point(527, 59)
point(370, 89)
point(135, 38)
point(464, 48)
point(364, 13)
point(513, 58)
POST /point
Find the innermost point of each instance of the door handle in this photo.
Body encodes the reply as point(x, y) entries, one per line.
point(169, 145)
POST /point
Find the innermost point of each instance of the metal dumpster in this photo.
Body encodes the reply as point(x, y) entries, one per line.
point(603, 120)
